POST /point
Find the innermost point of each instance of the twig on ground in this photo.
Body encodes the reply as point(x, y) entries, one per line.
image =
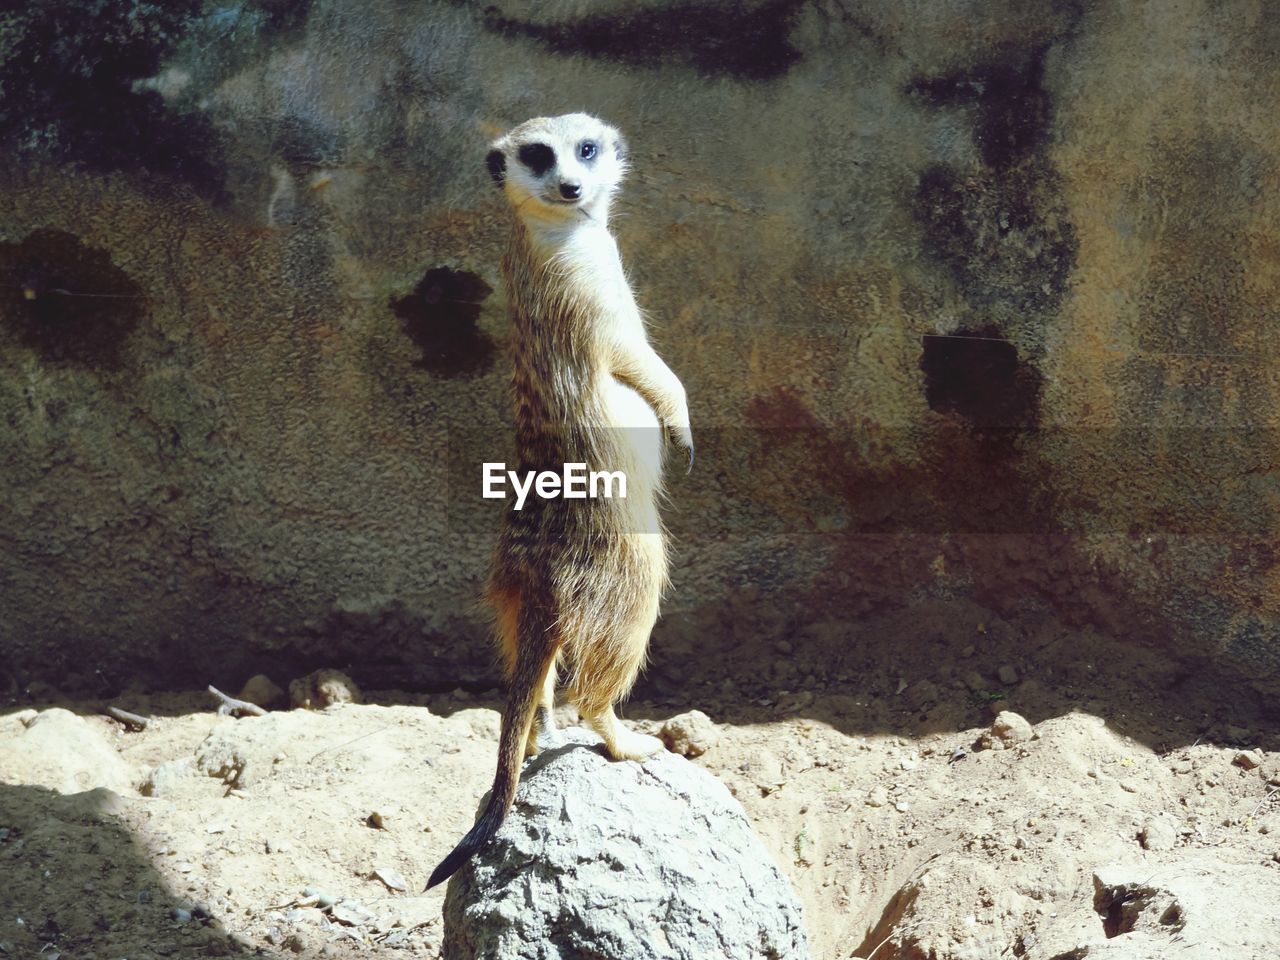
point(1262, 802)
point(230, 706)
point(136, 721)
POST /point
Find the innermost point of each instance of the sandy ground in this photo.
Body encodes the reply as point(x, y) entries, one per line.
point(1136, 814)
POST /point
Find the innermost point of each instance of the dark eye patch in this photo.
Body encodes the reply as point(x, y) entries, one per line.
point(538, 157)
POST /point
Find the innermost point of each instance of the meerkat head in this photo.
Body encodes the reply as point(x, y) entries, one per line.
point(559, 168)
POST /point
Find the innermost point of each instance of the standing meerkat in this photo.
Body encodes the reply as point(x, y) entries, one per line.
point(575, 580)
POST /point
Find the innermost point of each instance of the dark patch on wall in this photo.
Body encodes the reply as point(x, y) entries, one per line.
point(1001, 229)
point(1004, 236)
point(440, 317)
point(67, 301)
point(1014, 110)
point(716, 39)
point(70, 78)
point(977, 375)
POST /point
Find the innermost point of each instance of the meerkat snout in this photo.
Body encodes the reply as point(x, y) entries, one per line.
point(570, 190)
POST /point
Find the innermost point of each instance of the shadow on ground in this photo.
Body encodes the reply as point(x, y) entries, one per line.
point(78, 881)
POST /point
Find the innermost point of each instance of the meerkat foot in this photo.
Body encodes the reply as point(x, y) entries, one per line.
point(621, 743)
point(541, 732)
point(634, 746)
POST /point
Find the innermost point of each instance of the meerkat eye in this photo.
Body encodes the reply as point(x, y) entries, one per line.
point(587, 149)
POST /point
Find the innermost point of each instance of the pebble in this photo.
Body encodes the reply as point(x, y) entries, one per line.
point(259, 689)
point(973, 680)
point(324, 900)
point(1007, 674)
point(180, 914)
point(877, 797)
point(902, 806)
point(1159, 833)
point(392, 878)
point(1008, 727)
point(690, 734)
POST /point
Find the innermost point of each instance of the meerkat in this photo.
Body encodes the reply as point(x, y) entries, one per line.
point(575, 582)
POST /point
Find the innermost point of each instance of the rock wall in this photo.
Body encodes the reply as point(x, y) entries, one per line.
point(973, 300)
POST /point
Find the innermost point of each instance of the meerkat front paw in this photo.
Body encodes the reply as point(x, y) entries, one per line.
point(683, 436)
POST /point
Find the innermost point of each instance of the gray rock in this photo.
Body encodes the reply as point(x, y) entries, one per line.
point(621, 861)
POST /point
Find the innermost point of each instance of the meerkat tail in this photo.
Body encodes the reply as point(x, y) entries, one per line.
point(533, 660)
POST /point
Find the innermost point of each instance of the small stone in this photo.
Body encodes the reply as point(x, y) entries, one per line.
point(180, 914)
point(392, 878)
point(1248, 759)
point(1159, 833)
point(1007, 674)
point(902, 806)
point(376, 821)
point(324, 900)
point(690, 734)
point(973, 680)
point(877, 797)
point(259, 689)
point(350, 912)
point(968, 651)
point(1008, 727)
point(783, 646)
point(921, 694)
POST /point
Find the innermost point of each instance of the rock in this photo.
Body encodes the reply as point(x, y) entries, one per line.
point(877, 796)
point(391, 877)
point(260, 690)
point(60, 751)
point(1007, 728)
point(168, 778)
point(621, 861)
point(322, 688)
point(921, 694)
point(973, 680)
point(1159, 833)
point(690, 734)
point(1007, 674)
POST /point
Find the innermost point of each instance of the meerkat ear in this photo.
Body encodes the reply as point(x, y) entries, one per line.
point(496, 161)
point(620, 147)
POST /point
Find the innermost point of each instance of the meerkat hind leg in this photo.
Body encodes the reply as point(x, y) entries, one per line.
point(603, 675)
point(543, 729)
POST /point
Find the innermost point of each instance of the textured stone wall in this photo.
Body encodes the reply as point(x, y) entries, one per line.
point(974, 301)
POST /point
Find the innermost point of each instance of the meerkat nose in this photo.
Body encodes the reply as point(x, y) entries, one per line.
point(570, 190)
